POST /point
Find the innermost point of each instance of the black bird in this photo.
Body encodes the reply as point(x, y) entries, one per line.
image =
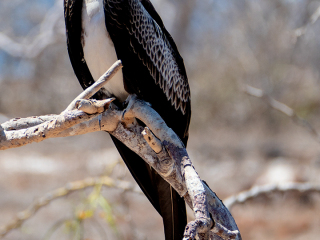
point(101, 31)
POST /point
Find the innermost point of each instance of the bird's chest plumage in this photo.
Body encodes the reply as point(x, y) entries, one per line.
point(98, 48)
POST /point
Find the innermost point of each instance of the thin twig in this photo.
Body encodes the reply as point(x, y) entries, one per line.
point(19, 132)
point(302, 30)
point(90, 91)
point(256, 191)
point(61, 192)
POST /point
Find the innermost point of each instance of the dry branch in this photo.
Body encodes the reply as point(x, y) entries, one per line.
point(21, 131)
point(302, 30)
point(93, 89)
point(257, 191)
point(158, 145)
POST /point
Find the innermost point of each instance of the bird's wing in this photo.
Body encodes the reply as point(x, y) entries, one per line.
point(135, 24)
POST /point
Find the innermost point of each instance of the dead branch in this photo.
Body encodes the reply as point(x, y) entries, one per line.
point(158, 145)
point(281, 107)
point(257, 191)
point(70, 187)
point(302, 30)
point(93, 89)
point(21, 131)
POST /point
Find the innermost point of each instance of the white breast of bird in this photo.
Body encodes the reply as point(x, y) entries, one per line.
point(98, 48)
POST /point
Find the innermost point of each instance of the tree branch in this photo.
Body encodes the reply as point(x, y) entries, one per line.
point(302, 30)
point(21, 131)
point(158, 145)
point(257, 191)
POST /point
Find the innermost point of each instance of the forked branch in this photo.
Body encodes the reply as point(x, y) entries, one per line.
point(157, 144)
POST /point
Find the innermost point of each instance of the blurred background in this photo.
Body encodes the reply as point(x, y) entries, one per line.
point(236, 141)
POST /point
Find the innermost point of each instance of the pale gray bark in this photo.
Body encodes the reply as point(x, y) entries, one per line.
point(157, 144)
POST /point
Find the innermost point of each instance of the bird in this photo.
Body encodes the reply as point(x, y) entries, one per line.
point(98, 33)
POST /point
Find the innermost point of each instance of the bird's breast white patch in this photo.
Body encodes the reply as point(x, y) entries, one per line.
point(98, 47)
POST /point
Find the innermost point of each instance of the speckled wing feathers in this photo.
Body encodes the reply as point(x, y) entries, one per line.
point(158, 55)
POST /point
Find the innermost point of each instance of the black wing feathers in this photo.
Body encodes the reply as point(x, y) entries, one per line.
point(153, 68)
point(72, 14)
point(153, 45)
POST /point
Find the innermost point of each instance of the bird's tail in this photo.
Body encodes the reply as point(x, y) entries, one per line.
point(159, 192)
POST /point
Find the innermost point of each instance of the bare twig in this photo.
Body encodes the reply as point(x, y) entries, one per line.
point(302, 30)
point(90, 91)
point(61, 192)
point(256, 191)
point(281, 107)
